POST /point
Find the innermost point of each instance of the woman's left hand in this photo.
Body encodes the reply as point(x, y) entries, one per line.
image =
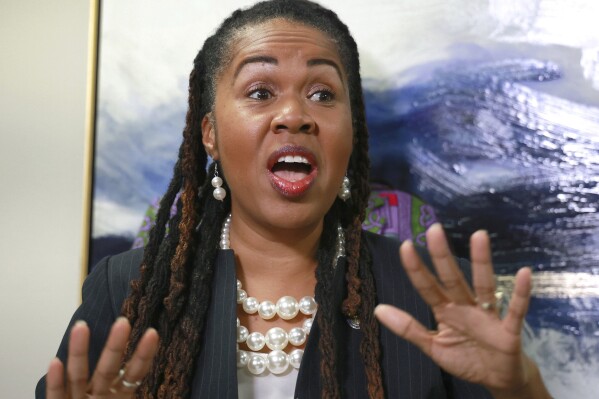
point(472, 342)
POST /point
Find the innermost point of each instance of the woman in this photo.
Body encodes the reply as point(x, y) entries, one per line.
point(275, 100)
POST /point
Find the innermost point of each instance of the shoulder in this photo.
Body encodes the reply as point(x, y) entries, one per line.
point(115, 274)
point(385, 250)
point(378, 243)
point(385, 254)
point(123, 268)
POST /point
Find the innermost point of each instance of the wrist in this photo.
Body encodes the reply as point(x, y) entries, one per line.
point(532, 388)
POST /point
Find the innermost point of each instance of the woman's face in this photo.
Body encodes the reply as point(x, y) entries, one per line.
point(282, 125)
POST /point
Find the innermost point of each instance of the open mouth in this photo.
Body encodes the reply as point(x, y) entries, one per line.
point(292, 167)
point(292, 170)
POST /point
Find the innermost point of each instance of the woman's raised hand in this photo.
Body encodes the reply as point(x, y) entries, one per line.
point(108, 381)
point(472, 342)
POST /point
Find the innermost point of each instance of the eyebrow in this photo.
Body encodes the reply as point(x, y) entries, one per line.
point(251, 60)
point(271, 60)
point(324, 61)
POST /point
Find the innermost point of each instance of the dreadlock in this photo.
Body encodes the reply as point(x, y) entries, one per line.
point(173, 291)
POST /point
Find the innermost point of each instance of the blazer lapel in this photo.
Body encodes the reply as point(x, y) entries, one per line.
point(216, 367)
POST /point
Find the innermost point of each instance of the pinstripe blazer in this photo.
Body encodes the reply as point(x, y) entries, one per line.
point(407, 372)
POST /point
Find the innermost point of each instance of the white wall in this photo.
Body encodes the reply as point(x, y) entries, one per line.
point(43, 63)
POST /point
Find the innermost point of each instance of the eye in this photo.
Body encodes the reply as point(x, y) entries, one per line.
point(322, 96)
point(260, 94)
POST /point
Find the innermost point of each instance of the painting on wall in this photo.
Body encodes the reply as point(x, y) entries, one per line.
point(482, 114)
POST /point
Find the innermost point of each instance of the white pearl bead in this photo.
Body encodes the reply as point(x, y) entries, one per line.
point(307, 326)
point(238, 284)
point(276, 338)
point(219, 193)
point(295, 357)
point(216, 181)
point(277, 362)
point(307, 305)
point(250, 305)
point(267, 310)
point(225, 244)
point(297, 336)
point(241, 295)
point(255, 341)
point(242, 334)
point(256, 364)
point(242, 358)
point(287, 308)
point(345, 194)
point(238, 322)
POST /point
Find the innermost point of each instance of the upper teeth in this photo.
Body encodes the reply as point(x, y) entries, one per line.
point(293, 158)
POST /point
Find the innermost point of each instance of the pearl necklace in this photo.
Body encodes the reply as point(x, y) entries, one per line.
point(286, 308)
point(276, 338)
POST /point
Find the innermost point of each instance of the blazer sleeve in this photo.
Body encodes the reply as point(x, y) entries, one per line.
point(103, 293)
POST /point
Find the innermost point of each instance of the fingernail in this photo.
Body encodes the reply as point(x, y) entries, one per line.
point(379, 307)
point(80, 323)
point(151, 329)
point(121, 319)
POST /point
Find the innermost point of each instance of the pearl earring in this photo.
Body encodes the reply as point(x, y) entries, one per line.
point(219, 193)
point(344, 193)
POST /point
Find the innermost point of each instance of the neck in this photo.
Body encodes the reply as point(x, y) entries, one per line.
point(272, 261)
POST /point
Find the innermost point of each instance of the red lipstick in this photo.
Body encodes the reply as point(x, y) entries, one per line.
point(292, 169)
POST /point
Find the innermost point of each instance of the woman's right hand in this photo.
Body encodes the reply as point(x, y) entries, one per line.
point(107, 381)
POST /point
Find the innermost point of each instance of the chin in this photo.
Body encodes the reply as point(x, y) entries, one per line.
point(296, 215)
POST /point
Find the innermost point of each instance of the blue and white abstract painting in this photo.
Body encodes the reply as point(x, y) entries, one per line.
point(486, 109)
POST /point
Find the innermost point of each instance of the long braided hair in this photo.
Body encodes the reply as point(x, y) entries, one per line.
point(173, 291)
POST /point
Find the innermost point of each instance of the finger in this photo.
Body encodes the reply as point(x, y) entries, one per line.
point(483, 278)
point(55, 380)
point(405, 326)
point(77, 364)
point(519, 302)
point(139, 365)
point(456, 288)
point(425, 283)
point(109, 364)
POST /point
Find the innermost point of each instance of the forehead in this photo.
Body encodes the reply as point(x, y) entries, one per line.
point(280, 38)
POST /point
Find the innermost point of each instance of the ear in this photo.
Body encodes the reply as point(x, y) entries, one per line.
point(209, 136)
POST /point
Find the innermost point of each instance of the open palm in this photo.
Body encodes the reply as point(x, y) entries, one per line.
point(471, 341)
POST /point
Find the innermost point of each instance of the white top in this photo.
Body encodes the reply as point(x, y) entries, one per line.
point(266, 385)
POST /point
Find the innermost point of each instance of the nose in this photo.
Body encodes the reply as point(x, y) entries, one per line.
point(293, 117)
